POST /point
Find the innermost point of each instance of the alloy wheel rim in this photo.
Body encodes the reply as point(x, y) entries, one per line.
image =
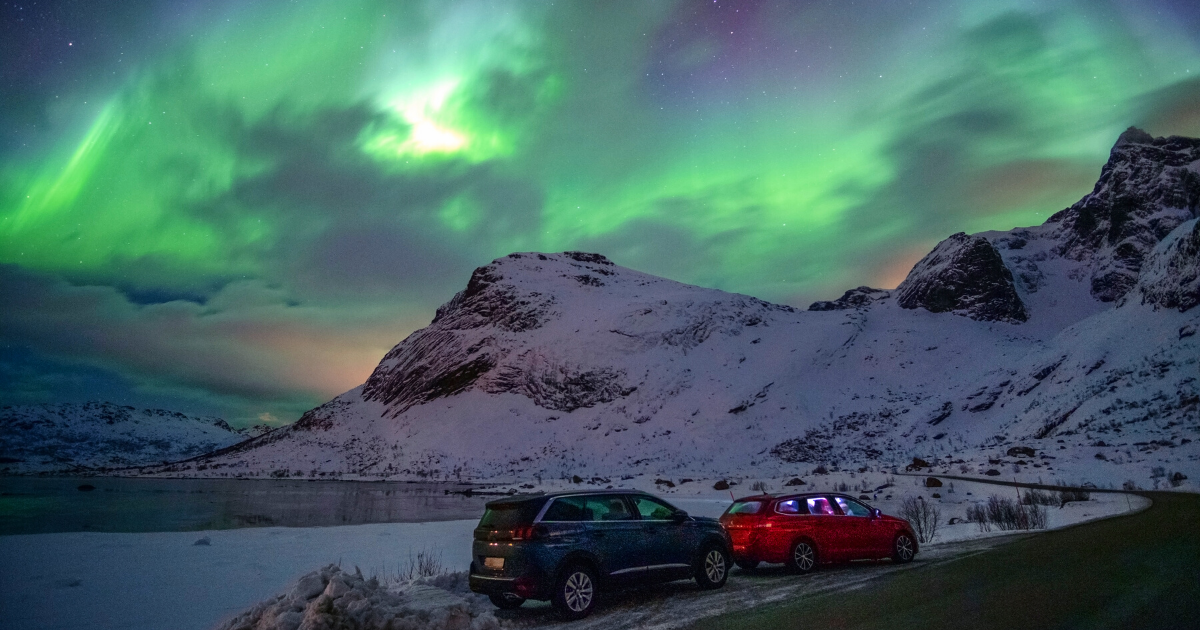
point(804, 556)
point(904, 547)
point(578, 591)
point(714, 566)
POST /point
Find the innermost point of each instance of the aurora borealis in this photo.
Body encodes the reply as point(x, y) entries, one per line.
point(237, 208)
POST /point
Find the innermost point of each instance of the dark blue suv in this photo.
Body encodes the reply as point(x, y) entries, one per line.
point(567, 547)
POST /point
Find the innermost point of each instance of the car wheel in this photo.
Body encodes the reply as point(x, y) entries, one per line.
point(747, 565)
point(803, 558)
point(506, 601)
point(904, 548)
point(713, 568)
point(575, 592)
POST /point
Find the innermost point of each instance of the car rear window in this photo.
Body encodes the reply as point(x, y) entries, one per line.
point(745, 507)
point(510, 515)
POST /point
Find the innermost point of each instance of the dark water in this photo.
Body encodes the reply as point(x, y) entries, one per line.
point(37, 505)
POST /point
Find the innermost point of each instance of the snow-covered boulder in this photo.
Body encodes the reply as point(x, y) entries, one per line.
point(333, 598)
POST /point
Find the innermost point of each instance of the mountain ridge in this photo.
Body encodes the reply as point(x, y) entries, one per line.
point(567, 364)
point(96, 436)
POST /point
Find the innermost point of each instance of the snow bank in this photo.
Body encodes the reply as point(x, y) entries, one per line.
point(334, 598)
point(152, 581)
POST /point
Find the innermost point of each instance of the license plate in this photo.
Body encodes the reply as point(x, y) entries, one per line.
point(494, 563)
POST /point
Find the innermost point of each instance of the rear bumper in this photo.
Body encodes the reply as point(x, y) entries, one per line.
point(526, 587)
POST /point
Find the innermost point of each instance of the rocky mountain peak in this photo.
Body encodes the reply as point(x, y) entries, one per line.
point(471, 339)
point(1148, 188)
point(1133, 135)
point(964, 275)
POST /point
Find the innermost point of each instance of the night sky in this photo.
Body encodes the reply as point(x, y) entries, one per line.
point(236, 208)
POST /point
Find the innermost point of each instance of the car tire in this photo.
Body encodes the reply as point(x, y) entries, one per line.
point(712, 568)
point(903, 548)
point(506, 601)
point(803, 557)
point(575, 592)
point(747, 565)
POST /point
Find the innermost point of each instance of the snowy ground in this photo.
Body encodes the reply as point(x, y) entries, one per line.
point(167, 580)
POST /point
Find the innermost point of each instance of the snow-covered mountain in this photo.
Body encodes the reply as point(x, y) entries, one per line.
point(1070, 338)
point(96, 435)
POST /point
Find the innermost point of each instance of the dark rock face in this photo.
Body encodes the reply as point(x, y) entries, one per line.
point(917, 464)
point(469, 345)
point(585, 257)
point(558, 387)
point(437, 361)
point(1171, 278)
point(964, 275)
point(854, 298)
point(1145, 191)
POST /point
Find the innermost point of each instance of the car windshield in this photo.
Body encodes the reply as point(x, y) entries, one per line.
point(510, 515)
point(745, 507)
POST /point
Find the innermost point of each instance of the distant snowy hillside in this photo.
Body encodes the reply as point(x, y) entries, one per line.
point(80, 437)
point(1068, 337)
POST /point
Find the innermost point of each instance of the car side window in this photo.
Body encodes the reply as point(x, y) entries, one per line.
point(820, 505)
point(567, 509)
point(608, 508)
point(652, 509)
point(792, 506)
point(851, 507)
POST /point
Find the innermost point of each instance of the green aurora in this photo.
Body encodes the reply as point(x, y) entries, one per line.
point(238, 208)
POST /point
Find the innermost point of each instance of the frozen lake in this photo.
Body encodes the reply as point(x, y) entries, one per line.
point(43, 505)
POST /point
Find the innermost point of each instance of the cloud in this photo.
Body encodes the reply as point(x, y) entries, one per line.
point(246, 342)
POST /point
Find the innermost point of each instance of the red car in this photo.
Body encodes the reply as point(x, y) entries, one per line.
point(802, 530)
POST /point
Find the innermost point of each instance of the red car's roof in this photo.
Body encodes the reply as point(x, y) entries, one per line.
point(794, 495)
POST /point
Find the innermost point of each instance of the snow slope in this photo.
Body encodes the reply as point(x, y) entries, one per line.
point(1060, 337)
point(99, 435)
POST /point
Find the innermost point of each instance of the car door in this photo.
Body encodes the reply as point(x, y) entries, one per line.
point(854, 528)
point(822, 527)
point(791, 521)
point(667, 544)
point(615, 534)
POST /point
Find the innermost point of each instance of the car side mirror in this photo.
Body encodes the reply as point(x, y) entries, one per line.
point(679, 516)
point(875, 513)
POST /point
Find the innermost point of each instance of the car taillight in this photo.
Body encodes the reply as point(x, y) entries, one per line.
point(529, 532)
